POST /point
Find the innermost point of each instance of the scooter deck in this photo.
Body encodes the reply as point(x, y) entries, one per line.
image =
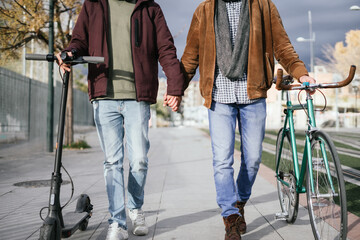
point(72, 221)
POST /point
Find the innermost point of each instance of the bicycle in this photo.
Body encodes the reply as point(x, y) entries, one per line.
point(320, 166)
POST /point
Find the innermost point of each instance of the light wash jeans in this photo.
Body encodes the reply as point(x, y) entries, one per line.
point(114, 119)
point(222, 124)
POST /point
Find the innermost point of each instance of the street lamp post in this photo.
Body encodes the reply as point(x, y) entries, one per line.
point(356, 81)
point(50, 100)
point(311, 40)
point(355, 86)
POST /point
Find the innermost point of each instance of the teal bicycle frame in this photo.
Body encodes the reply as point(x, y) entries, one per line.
point(307, 156)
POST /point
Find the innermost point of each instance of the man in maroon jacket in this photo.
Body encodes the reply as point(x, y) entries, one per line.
point(132, 36)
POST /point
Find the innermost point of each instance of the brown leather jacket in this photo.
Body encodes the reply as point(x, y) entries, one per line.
point(151, 42)
point(267, 39)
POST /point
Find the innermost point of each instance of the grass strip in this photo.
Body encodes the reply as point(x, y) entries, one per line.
point(80, 144)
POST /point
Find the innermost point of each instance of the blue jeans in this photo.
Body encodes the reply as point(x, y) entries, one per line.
point(222, 124)
point(115, 119)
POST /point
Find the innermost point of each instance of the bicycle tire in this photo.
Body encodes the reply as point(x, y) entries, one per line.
point(288, 197)
point(328, 212)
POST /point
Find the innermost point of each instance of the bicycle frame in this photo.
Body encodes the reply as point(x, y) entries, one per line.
point(307, 156)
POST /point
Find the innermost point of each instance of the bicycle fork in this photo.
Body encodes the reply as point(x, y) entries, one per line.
point(316, 163)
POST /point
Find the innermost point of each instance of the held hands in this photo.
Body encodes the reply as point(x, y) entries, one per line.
point(172, 101)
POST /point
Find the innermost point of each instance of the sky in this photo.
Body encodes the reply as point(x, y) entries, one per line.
point(331, 19)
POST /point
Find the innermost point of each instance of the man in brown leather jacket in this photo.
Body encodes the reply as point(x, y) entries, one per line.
point(234, 42)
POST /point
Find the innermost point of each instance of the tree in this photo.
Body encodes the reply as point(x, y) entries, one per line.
point(340, 57)
point(25, 20)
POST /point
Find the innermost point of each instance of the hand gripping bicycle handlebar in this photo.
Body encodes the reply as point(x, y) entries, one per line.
point(281, 86)
point(52, 58)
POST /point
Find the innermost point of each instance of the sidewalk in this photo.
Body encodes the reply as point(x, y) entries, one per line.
point(179, 196)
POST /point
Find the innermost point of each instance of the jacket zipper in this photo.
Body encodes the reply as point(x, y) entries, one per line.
point(137, 40)
point(132, 53)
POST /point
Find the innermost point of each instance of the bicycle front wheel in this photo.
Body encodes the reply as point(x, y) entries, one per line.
point(286, 181)
point(326, 197)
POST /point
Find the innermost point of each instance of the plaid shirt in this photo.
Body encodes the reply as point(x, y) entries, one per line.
point(224, 89)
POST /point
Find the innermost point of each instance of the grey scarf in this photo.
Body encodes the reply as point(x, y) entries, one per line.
point(232, 62)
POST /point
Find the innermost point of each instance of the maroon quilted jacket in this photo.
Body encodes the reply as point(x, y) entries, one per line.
point(151, 42)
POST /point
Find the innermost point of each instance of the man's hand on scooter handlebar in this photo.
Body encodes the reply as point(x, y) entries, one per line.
point(63, 66)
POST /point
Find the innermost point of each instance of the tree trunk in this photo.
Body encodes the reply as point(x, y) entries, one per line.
point(69, 129)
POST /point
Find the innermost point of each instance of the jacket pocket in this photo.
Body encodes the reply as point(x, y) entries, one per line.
point(269, 71)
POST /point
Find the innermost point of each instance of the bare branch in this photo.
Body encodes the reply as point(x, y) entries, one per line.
point(23, 8)
point(37, 5)
point(19, 44)
point(12, 17)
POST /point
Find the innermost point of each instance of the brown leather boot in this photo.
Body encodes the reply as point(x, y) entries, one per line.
point(231, 227)
point(241, 221)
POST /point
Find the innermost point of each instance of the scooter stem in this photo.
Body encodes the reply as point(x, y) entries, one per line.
point(53, 223)
point(60, 137)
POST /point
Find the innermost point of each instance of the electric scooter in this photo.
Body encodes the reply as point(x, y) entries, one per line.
point(55, 224)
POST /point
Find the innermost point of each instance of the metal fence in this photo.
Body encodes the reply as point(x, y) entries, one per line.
point(23, 108)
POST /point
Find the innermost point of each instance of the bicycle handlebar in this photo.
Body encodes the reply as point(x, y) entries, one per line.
point(281, 86)
point(52, 58)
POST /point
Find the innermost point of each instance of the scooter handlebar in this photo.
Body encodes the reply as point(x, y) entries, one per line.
point(94, 60)
point(52, 58)
point(40, 57)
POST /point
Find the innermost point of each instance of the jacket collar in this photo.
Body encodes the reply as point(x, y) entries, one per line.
point(104, 5)
point(105, 2)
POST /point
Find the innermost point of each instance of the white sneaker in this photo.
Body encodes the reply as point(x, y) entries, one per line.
point(116, 233)
point(137, 217)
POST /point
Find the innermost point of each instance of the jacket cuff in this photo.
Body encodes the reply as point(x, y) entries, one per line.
point(299, 72)
point(175, 92)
